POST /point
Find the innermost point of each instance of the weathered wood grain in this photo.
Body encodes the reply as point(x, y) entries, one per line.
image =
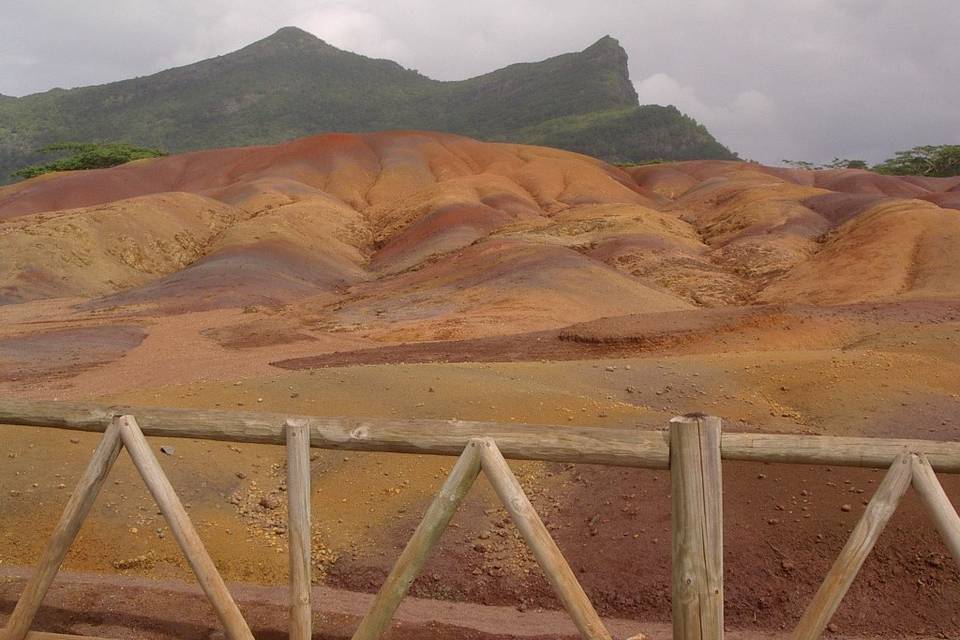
point(864, 536)
point(560, 443)
point(183, 530)
point(697, 526)
point(298, 529)
point(545, 550)
point(938, 505)
point(617, 446)
point(75, 512)
point(418, 549)
point(876, 453)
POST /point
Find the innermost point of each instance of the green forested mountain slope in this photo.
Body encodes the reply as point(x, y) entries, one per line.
point(293, 84)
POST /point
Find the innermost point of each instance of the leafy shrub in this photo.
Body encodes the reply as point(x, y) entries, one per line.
point(87, 155)
point(936, 161)
point(933, 161)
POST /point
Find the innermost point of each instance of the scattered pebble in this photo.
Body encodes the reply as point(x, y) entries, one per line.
point(270, 501)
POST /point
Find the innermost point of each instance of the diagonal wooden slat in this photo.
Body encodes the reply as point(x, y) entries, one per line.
point(938, 504)
point(862, 540)
point(531, 527)
point(424, 539)
point(183, 530)
point(64, 534)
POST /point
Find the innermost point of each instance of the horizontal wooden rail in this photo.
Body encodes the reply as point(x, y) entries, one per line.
point(619, 446)
point(875, 453)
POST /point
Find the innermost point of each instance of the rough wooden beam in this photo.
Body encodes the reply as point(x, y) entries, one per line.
point(298, 529)
point(876, 453)
point(558, 443)
point(864, 536)
point(64, 534)
point(418, 549)
point(697, 525)
point(938, 505)
point(545, 550)
point(183, 530)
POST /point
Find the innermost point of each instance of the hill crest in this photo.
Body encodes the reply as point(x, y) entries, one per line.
point(291, 84)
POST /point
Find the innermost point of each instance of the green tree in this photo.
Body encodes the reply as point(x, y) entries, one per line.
point(939, 161)
point(845, 163)
point(87, 155)
point(799, 164)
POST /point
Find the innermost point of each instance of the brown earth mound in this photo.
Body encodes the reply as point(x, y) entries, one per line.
point(347, 221)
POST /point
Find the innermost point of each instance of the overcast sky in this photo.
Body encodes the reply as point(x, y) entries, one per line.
point(772, 79)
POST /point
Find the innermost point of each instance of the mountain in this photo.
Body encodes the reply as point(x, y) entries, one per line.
point(293, 84)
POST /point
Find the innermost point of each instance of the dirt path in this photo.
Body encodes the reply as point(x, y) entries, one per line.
point(137, 608)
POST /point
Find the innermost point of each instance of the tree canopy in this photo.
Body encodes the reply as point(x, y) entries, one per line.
point(940, 161)
point(87, 155)
point(934, 161)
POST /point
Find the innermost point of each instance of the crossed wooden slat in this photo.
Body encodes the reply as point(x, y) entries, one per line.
point(908, 469)
point(481, 454)
point(124, 432)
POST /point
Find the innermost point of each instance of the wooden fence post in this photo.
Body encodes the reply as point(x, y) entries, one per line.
point(697, 521)
point(298, 528)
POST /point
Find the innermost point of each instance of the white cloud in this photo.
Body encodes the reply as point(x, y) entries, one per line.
point(353, 28)
point(749, 117)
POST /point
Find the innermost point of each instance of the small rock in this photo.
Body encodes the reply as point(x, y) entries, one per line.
point(935, 561)
point(241, 475)
point(270, 501)
point(833, 628)
point(167, 449)
point(845, 507)
point(74, 440)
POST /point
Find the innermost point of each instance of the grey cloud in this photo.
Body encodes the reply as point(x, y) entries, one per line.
point(809, 79)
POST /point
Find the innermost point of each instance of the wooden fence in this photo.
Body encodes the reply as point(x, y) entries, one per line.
point(692, 448)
